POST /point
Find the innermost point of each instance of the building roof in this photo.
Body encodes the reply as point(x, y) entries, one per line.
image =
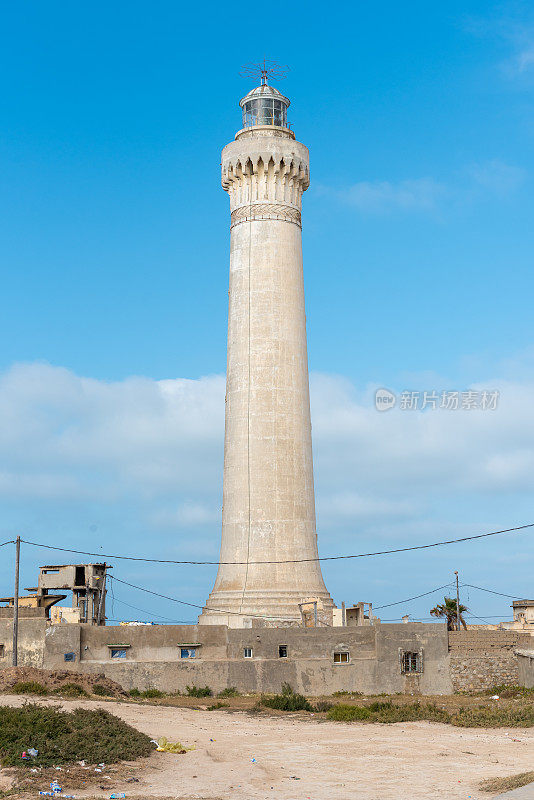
point(264, 91)
point(63, 566)
point(519, 603)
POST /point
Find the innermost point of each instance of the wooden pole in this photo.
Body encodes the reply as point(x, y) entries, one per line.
point(16, 604)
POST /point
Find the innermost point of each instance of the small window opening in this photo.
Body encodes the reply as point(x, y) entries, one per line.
point(247, 652)
point(411, 662)
point(188, 652)
point(282, 651)
point(2, 650)
point(69, 656)
point(79, 576)
point(341, 658)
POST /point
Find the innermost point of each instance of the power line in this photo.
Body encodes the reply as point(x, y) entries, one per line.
point(408, 599)
point(287, 561)
point(492, 591)
point(11, 541)
point(193, 605)
point(151, 613)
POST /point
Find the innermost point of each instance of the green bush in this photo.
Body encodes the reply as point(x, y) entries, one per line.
point(287, 701)
point(345, 693)
point(134, 693)
point(65, 738)
point(71, 690)
point(520, 716)
point(150, 693)
point(198, 691)
point(230, 691)
point(345, 713)
point(216, 706)
point(29, 687)
point(100, 690)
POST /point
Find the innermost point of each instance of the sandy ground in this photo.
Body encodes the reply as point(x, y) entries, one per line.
point(332, 761)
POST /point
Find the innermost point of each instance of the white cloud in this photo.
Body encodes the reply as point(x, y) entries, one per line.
point(493, 178)
point(158, 445)
point(517, 32)
point(421, 194)
point(497, 177)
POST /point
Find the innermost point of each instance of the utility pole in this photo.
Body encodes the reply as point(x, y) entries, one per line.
point(16, 603)
point(101, 597)
point(457, 603)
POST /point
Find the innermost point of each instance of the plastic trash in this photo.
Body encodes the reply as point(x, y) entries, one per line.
point(117, 795)
point(33, 752)
point(495, 697)
point(165, 746)
point(253, 760)
point(25, 755)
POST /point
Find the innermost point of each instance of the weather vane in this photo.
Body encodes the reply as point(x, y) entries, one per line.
point(265, 70)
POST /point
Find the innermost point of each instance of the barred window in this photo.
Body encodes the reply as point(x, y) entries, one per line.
point(411, 662)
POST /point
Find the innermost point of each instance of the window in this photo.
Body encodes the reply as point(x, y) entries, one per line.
point(282, 651)
point(117, 652)
point(2, 650)
point(188, 652)
point(247, 652)
point(341, 657)
point(411, 662)
point(69, 656)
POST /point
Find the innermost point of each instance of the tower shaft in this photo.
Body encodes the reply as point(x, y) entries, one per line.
point(268, 491)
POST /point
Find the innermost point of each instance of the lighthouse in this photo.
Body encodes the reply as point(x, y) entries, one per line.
point(268, 560)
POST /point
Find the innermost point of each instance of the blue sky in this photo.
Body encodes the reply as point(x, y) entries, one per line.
point(418, 243)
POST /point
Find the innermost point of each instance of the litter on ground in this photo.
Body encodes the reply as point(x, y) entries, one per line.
point(172, 747)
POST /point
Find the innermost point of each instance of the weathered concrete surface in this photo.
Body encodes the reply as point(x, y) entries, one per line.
point(31, 641)
point(153, 656)
point(268, 490)
point(525, 670)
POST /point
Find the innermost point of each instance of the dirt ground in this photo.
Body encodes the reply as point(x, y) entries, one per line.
point(241, 756)
point(56, 679)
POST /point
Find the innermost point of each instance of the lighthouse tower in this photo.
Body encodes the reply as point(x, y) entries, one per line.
point(268, 492)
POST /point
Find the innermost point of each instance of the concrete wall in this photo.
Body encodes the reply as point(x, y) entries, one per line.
point(153, 656)
point(31, 641)
point(483, 659)
point(525, 661)
point(468, 660)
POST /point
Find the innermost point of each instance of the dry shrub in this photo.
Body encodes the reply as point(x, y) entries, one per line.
point(505, 784)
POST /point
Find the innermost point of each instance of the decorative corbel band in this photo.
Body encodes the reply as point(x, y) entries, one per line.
point(265, 211)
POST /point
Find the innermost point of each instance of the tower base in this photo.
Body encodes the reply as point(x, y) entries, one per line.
point(266, 608)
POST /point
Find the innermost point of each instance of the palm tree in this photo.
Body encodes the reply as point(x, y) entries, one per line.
point(448, 610)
